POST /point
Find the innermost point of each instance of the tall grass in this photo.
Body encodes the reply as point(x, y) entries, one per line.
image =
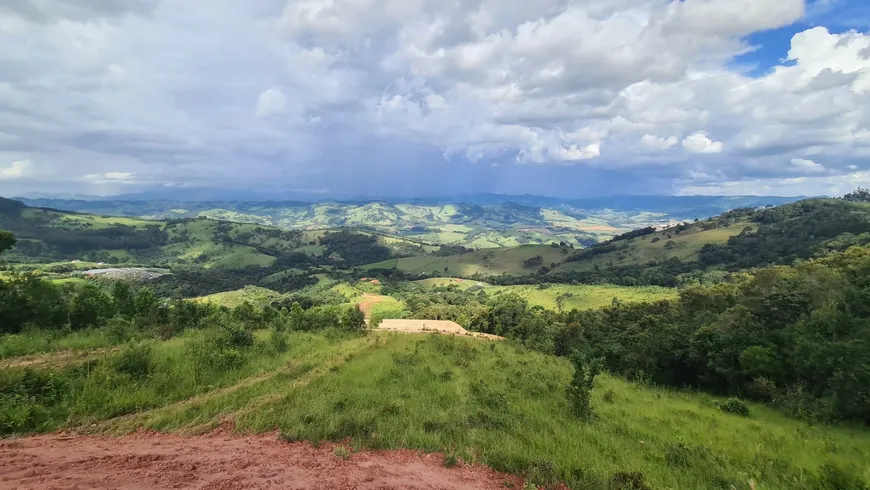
point(139, 377)
point(34, 342)
point(507, 408)
point(487, 402)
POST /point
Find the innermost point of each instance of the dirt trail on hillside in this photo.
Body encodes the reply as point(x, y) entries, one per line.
point(369, 301)
point(221, 461)
point(57, 358)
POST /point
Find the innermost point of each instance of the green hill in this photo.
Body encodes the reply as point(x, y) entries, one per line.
point(47, 235)
point(491, 223)
point(686, 252)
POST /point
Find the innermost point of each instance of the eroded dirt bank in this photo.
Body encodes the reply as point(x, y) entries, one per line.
point(222, 461)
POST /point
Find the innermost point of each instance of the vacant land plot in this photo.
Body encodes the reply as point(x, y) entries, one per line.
point(431, 326)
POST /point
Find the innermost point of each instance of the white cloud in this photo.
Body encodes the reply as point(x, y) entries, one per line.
point(270, 102)
point(700, 143)
point(805, 165)
point(157, 89)
point(656, 143)
point(798, 186)
point(111, 178)
point(16, 170)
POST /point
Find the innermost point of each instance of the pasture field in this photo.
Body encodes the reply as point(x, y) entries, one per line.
point(251, 294)
point(686, 247)
point(551, 296)
point(492, 261)
point(584, 297)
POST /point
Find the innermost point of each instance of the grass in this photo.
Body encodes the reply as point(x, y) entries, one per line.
point(687, 246)
point(252, 294)
point(581, 297)
point(482, 402)
point(584, 297)
point(492, 261)
point(27, 343)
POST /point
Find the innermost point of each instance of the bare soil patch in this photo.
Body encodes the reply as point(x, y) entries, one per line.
point(219, 460)
point(368, 302)
point(432, 326)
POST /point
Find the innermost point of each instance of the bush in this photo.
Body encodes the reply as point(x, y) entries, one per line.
point(278, 341)
point(579, 391)
point(135, 360)
point(735, 406)
point(119, 330)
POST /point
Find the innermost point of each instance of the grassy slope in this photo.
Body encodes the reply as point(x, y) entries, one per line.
point(510, 260)
point(487, 262)
point(492, 403)
point(251, 294)
point(642, 250)
point(192, 241)
point(585, 297)
point(581, 297)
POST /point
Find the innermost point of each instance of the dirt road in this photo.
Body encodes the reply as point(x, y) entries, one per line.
point(221, 461)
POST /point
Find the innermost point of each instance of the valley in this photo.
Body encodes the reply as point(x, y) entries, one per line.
point(707, 354)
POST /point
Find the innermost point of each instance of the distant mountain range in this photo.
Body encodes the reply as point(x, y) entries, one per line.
point(471, 220)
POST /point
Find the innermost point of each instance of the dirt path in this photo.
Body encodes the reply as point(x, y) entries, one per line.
point(220, 461)
point(369, 301)
point(57, 358)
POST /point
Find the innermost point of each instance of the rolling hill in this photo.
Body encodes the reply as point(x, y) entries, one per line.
point(487, 221)
point(738, 239)
point(47, 235)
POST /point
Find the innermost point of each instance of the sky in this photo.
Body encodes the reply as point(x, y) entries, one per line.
point(341, 98)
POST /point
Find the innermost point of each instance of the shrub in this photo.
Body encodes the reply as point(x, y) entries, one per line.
point(609, 396)
point(119, 330)
point(135, 360)
point(734, 406)
point(579, 391)
point(278, 341)
point(762, 389)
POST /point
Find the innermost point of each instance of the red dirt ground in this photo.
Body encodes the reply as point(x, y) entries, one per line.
point(220, 461)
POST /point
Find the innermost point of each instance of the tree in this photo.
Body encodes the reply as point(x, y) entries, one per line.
point(579, 392)
point(858, 195)
point(7, 241)
point(353, 319)
point(297, 316)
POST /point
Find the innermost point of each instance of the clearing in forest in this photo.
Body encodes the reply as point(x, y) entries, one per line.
point(431, 326)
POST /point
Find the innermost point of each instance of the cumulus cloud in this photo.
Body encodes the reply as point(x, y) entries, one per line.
point(270, 102)
point(701, 143)
point(16, 170)
point(307, 92)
